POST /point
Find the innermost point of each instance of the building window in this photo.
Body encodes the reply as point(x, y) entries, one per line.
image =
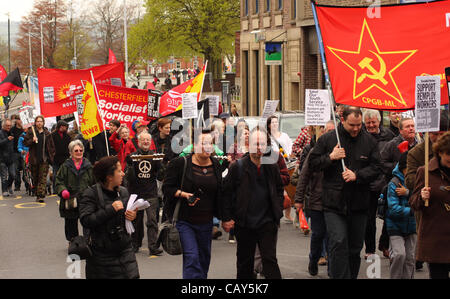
point(246, 8)
point(294, 9)
point(280, 4)
point(267, 5)
point(255, 7)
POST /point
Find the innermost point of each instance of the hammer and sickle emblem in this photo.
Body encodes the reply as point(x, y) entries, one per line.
point(375, 75)
point(145, 166)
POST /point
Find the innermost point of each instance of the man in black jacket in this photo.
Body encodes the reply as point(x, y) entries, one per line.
point(141, 180)
point(345, 194)
point(253, 202)
point(7, 163)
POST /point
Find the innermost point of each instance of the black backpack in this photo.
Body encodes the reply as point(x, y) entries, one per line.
point(382, 200)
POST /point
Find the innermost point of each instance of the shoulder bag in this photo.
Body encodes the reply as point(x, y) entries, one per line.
point(169, 236)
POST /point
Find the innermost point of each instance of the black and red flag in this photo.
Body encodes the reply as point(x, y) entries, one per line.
point(373, 59)
point(12, 82)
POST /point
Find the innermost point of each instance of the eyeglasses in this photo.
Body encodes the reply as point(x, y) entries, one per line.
point(78, 151)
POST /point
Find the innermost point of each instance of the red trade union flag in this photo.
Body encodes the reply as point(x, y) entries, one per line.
point(373, 61)
point(171, 100)
point(121, 103)
point(111, 57)
point(58, 88)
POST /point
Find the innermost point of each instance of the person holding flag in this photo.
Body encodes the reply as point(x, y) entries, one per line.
point(346, 193)
point(42, 152)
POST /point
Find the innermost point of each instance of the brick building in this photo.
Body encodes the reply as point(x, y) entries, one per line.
point(291, 23)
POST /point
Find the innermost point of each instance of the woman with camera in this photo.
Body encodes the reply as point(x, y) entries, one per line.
point(73, 177)
point(200, 196)
point(102, 212)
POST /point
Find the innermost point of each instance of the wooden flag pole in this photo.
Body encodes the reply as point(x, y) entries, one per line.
point(34, 133)
point(427, 150)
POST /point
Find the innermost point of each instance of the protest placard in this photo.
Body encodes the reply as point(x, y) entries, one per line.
point(317, 107)
point(189, 102)
point(428, 102)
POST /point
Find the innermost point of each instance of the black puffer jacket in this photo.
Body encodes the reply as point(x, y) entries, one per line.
point(362, 157)
point(113, 255)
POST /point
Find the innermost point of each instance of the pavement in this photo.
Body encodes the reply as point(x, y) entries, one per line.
point(33, 245)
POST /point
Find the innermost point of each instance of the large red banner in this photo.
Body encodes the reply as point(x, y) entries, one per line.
point(374, 54)
point(58, 88)
point(124, 104)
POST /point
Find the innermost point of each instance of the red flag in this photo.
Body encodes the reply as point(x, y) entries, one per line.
point(373, 61)
point(111, 57)
point(171, 100)
point(150, 85)
point(12, 82)
point(58, 88)
point(3, 73)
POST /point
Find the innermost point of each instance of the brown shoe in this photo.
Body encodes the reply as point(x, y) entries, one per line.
point(322, 261)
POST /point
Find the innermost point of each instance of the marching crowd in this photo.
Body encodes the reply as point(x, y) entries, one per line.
point(236, 176)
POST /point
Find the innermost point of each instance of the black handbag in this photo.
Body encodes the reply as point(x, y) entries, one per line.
point(169, 236)
point(79, 246)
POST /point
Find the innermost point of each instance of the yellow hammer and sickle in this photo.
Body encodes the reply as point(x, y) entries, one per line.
point(366, 63)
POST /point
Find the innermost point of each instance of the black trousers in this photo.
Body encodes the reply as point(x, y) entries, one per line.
point(439, 271)
point(266, 238)
point(371, 227)
point(71, 228)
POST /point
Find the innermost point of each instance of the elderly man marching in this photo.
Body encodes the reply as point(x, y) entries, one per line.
point(141, 180)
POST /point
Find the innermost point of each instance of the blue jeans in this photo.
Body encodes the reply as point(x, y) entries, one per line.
point(196, 242)
point(345, 242)
point(318, 236)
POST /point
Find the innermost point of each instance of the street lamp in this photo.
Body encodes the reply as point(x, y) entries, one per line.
point(29, 50)
point(42, 39)
point(9, 43)
point(75, 51)
point(125, 37)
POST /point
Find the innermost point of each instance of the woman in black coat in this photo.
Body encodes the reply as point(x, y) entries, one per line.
point(102, 212)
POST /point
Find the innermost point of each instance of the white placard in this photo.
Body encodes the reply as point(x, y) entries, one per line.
point(214, 105)
point(428, 102)
point(189, 102)
point(270, 106)
point(317, 107)
point(27, 115)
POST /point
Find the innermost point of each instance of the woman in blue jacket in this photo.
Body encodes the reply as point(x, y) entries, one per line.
point(401, 225)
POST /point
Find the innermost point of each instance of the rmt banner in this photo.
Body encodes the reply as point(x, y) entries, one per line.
point(428, 102)
point(124, 104)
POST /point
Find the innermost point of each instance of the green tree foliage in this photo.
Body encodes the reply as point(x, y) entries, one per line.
point(186, 27)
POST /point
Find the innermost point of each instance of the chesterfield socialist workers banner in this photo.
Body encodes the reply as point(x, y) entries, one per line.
point(374, 55)
point(58, 88)
point(171, 100)
point(124, 104)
